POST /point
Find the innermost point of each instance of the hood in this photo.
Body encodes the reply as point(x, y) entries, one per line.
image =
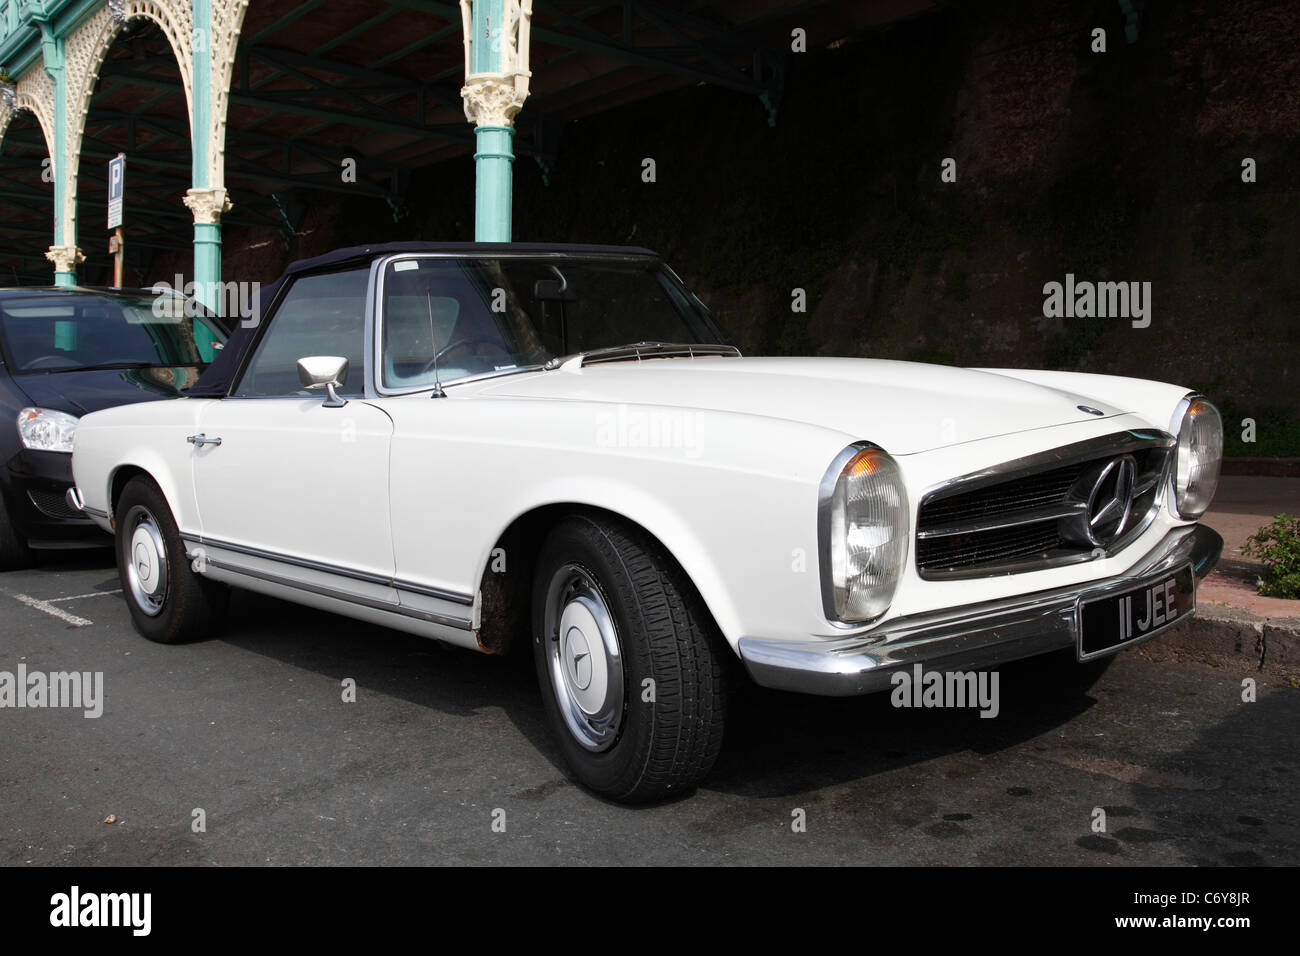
point(80, 393)
point(904, 407)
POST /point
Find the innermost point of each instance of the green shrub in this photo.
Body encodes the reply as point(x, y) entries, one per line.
point(1278, 546)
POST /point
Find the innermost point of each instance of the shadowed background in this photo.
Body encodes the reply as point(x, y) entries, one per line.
point(1115, 166)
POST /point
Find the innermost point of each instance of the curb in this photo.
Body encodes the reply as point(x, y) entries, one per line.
point(1233, 638)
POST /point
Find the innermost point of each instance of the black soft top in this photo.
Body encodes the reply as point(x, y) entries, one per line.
point(216, 379)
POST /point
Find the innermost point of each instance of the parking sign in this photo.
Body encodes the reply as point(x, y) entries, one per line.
point(116, 187)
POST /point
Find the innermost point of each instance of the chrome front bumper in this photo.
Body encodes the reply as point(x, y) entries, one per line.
point(975, 636)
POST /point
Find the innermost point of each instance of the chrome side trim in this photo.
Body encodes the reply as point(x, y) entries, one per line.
point(962, 638)
point(455, 597)
point(412, 588)
point(347, 597)
point(75, 501)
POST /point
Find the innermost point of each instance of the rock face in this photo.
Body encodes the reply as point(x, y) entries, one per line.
point(1122, 166)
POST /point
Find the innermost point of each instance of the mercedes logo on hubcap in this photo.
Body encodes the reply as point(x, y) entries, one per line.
point(579, 655)
point(142, 560)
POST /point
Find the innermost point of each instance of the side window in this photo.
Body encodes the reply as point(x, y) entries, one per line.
point(441, 312)
point(322, 314)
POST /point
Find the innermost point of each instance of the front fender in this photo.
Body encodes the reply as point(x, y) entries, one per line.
point(659, 519)
point(737, 510)
point(150, 437)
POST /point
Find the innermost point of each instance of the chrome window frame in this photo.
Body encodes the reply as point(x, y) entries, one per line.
point(264, 327)
point(374, 315)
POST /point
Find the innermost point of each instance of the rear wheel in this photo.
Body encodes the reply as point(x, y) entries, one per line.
point(632, 670)
point(14, 553)
point(169, 602)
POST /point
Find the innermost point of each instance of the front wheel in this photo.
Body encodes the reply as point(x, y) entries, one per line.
point(631, 667)
point(169, 602)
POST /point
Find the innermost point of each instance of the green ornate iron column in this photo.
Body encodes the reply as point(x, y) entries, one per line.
point(64, 253)
point(496, 84)
point(207, 201)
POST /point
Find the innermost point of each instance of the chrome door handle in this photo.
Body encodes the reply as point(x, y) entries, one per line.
point(201, 439)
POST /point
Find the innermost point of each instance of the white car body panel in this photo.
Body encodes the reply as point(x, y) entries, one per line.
point(1151, 400)
point(531, 454)
point(121, 438)
point(856, 397)
point(737, 516)
point(389, 507)
point(286, 480)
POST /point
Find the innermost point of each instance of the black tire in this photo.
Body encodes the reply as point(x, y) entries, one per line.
point(181, 605)
point(14, 553)
point(664, 634)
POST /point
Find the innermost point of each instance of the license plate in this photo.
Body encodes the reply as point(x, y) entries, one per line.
point(1114, 620)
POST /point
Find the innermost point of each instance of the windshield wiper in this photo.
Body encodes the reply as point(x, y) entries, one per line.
point(89, 368)
point(109, 366)
point(639, 351)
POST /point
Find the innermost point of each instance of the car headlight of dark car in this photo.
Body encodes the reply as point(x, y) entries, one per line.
point(43, 429)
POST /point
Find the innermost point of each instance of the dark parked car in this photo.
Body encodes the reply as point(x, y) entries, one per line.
point(67, 352)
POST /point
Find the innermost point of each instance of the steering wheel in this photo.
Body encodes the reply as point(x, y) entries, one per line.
point(460, 344)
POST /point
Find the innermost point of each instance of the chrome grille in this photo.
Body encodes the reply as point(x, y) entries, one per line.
point(1033, 491)
point(1024, 515)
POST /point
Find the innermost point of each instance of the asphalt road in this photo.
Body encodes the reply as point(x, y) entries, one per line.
point(252, 729)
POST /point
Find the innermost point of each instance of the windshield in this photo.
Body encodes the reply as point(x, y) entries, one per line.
point(481, 316)
point(54, 333)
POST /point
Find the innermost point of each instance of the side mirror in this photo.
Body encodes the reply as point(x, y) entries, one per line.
point(324, 371)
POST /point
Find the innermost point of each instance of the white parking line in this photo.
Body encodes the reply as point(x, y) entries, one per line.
point(50, 609)
point(78, 597)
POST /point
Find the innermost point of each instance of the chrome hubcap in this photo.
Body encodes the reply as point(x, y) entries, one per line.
point(583, 658)
point(146, 561)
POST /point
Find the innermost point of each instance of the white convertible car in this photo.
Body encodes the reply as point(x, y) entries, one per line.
point(478, 443)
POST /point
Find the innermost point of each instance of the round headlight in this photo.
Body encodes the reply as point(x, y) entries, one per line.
point(42, 429)
point(863, 534)
point(1199, 455)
